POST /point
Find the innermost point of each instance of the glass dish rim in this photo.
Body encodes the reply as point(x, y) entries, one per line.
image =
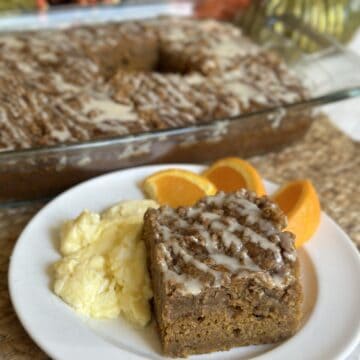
point(153, 134)
point(330, 97)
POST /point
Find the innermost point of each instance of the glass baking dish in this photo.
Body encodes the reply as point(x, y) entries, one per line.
point(331, 73)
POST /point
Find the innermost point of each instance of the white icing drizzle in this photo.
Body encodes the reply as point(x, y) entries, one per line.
point(209, 243)
point(253, 216)
point(264, 243)
point(228, 233)
point(192, 212)
point(290, 256)
point(249, 263)
point(25, 68)
point(107, 110)
point(245, 92)
point(229, 262)
point(191, 285)
point(134, 149)
point(229, 238)
point(188, 258)
point(166, 233)
point(229, 48)
point(61, 135)
point(210, 216)
point(62, 85)
point(216, 200)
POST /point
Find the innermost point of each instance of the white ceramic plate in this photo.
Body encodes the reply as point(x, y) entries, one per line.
point(330, 274)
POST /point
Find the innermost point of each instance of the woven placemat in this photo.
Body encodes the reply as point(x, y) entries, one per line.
point(332, 162)
point(325, 155)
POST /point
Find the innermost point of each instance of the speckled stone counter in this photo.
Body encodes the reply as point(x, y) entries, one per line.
point(326, 156)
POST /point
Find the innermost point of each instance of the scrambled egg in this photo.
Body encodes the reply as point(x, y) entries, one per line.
point(103, 270)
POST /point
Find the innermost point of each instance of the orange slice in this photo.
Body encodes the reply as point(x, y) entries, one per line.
point(231, 174)
point(176, 187)
point(299, 201)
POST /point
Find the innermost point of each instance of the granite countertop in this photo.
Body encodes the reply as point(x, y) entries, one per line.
point(326, 156)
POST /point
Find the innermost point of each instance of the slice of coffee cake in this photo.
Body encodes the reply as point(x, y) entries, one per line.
point(223, 274)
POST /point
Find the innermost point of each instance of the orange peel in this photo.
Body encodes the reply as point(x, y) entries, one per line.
point(177, 187)
point(299, 201)
point(232, 173)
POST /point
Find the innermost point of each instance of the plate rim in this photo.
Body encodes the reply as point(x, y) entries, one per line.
point(342, 353)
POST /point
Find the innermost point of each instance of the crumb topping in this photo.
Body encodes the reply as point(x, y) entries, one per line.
point(224, 237)
point(118, 79)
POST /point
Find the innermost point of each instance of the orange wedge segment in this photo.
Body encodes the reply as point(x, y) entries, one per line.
point(176, 187)
point(232, 173)
point(299, 201)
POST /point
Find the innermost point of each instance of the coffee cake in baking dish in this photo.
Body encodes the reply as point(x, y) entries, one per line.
point(90, 82)
point(224, 274)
